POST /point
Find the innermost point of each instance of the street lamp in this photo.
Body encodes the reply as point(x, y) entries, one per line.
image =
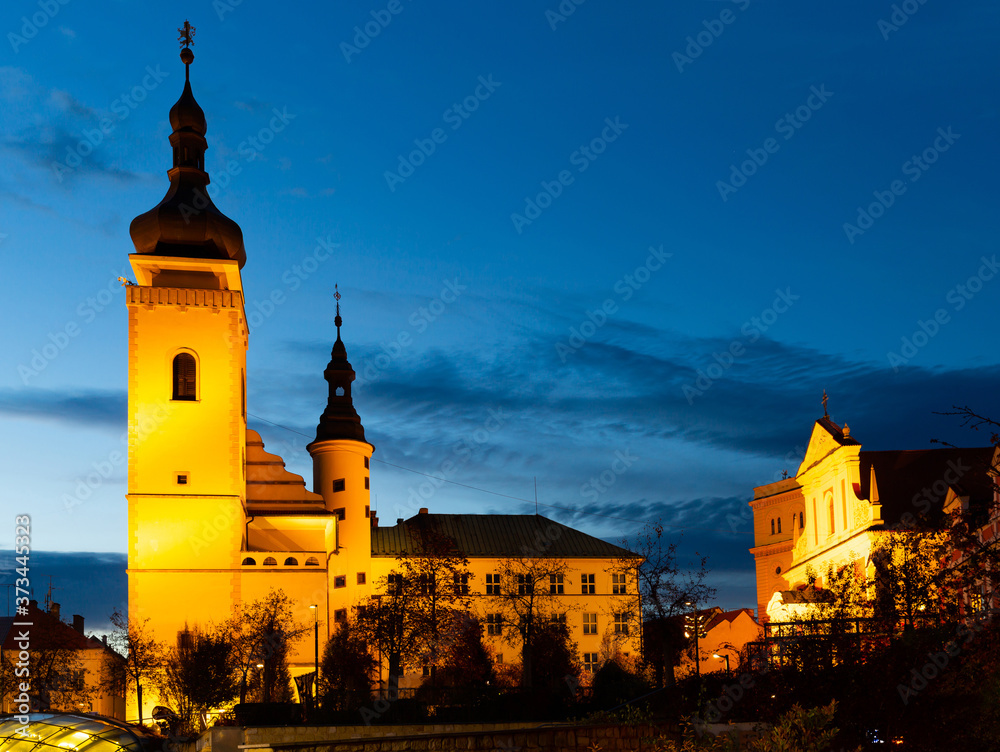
point(720, 657)
point(315, 610)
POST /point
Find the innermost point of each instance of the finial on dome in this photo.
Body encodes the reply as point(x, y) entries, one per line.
point(337, 320)
point(186, 39)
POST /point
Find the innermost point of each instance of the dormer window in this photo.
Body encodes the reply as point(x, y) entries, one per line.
point(185, 377)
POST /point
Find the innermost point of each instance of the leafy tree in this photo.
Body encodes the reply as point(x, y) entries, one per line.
point(262, 633)
point(529, 596)
point(464, 660)
point(553, 657)
point(347, 670)
point(410, 621)
point(144, 657)
point(667, 590)
point(200, 674)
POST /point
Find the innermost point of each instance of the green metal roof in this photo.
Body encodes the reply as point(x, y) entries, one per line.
point(47, 732)
point(494, 535)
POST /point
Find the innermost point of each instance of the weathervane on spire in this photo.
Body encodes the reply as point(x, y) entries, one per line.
point(825, 400)
point(187, 35)
point(338, 321)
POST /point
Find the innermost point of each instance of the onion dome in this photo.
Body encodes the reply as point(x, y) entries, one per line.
point(339, 420)
point(186, 223)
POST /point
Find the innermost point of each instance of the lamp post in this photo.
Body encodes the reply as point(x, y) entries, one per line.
point(315, 610)
point(720, 657)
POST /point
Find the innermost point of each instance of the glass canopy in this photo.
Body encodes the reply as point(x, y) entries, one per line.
point(48, 732)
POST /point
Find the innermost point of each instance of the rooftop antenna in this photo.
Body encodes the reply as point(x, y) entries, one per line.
point(48, 594)
point(825, 400)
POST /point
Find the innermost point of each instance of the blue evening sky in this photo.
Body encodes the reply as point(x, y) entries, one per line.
point(643, 230)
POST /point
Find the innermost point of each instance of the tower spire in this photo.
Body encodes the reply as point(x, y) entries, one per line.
point(339, 420)
point(186, 223)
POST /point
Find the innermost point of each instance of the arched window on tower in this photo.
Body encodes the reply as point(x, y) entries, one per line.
point(185, 377)
point(802, 523)
point(779, 526)
point(772, 527)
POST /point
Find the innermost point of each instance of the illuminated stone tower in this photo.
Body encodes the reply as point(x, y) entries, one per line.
point(187, 339)
point(341, 458)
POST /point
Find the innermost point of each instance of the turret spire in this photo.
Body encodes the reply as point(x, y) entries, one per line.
point(340, 420)
point(186, 223)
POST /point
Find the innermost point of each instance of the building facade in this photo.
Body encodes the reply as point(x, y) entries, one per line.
point(215, 520)
point(832, 512)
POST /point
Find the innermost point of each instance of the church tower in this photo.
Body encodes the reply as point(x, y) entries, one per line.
point(187, 336)
point(341, 458)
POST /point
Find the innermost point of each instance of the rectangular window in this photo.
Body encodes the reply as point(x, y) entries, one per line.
point(339, 485)
point(182, 479)
point(427, 669)
point(494, 624)
point(340, 615)
point(340, 514)
point(395, 582)
point(499, 658)
point(362, 578)
point(558, 618)
point(621, 623)
point(590, 623)
point(367, 483)
point(587, 586)
point(428, 585)
point(492, 584)
point(556, 584)
point(618, 584)
point(460, 584)
point(366, 463)
point(340, 581)
point(525, 585)
point(590, 662)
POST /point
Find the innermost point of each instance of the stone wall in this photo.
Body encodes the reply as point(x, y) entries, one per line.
point(440, 737)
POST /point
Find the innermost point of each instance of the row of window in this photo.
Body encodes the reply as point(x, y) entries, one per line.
point(776, 523)
point(495, 623)
point(291, 561)
point(557, 584)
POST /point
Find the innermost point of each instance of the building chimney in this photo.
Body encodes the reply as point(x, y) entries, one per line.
point(54, 610)
point(423, 510)
point(78, 623)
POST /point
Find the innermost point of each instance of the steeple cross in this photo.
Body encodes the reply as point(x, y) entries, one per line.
point(187, 35)
point(825, 400)
point(338, 321)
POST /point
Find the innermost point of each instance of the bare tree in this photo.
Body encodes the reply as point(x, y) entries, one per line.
point(530, 594)
point(667, 589)
point(144, 657)
point(261, 633)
